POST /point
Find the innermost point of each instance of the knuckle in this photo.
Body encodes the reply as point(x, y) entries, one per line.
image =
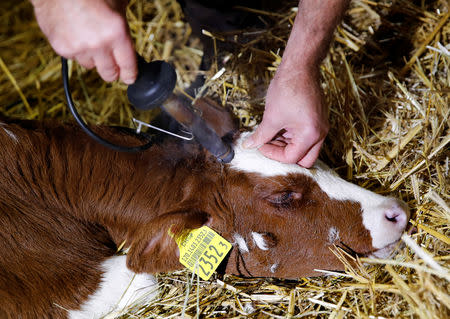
point(127, 66)
point(126, 74)
point(105, 39)
point(98, 43)
point(292, 157)
point(116, 28)
point(128, 78)
point(70, 49)
point(109, 78)
point(316, 132)
point(109, 74)
point(313, 133)
point(62, 48)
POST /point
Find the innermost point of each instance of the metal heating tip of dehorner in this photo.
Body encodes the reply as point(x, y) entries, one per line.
point(204, 134)
point(154, 88)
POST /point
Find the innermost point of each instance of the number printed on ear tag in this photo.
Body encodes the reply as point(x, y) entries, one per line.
point(202, 250)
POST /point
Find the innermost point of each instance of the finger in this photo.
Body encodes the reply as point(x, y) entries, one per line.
point(290, 153)
point(106, 65)
point(125, 57)
point(85, 61)
point(263, 134)
point(310, 158)
point(278, 143)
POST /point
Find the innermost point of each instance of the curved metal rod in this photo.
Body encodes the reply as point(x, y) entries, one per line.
point(187, 137)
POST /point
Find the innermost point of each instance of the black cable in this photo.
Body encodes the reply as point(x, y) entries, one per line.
point(85, 127)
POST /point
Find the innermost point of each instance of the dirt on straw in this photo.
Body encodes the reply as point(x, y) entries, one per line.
point(386, 81)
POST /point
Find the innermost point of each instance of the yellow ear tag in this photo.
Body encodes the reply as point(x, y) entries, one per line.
point(202, 250)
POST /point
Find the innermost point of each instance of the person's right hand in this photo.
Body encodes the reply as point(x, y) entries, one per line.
point(295, 120)
point(92, 32)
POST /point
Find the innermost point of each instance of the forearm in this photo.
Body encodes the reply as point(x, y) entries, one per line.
point(312, 32)
point(295, 114)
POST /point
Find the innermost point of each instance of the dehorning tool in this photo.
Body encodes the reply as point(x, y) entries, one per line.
point(154, 88)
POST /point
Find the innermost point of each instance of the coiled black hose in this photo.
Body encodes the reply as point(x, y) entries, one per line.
point(85, 127)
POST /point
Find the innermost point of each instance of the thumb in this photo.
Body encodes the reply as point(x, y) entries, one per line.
point(262, 135)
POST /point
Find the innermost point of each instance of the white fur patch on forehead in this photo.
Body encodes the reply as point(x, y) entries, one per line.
point(252, 161)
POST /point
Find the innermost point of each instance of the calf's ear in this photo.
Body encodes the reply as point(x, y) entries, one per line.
point(219, 118)
point(153, 250)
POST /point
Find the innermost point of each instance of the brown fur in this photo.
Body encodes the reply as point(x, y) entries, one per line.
point(66, 203)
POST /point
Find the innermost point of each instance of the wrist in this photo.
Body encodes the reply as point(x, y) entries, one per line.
point(302, 66)
point(303, 52)
point(312, 32)
point(295, 73)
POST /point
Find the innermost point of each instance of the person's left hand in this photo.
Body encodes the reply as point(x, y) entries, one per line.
point(295, 121)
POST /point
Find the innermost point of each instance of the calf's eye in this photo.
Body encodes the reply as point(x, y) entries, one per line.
point(283, 199)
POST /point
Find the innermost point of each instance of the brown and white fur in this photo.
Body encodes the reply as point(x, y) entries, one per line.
point(67, 203)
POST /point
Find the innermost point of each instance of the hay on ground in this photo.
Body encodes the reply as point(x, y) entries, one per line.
point(386, 80)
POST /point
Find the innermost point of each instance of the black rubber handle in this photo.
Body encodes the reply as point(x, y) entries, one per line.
point(154, 84)
point(153, 88)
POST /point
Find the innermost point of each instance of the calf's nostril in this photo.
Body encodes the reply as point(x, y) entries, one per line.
point(392, 219)
point(396, 215)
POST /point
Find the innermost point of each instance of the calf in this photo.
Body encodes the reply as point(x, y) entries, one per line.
point(67, 203)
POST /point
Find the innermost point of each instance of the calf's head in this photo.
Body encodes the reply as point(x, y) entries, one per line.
point(289, 217)
point(281, 218)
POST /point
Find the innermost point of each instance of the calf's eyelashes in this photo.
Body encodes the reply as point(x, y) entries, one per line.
point(284, 199)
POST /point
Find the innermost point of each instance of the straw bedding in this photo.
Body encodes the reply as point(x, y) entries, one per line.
point(386, 80)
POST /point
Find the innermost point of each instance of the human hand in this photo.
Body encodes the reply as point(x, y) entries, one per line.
point(295, 121)
point(92, 32)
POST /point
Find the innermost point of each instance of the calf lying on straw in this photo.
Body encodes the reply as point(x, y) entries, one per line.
point(67, 203)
